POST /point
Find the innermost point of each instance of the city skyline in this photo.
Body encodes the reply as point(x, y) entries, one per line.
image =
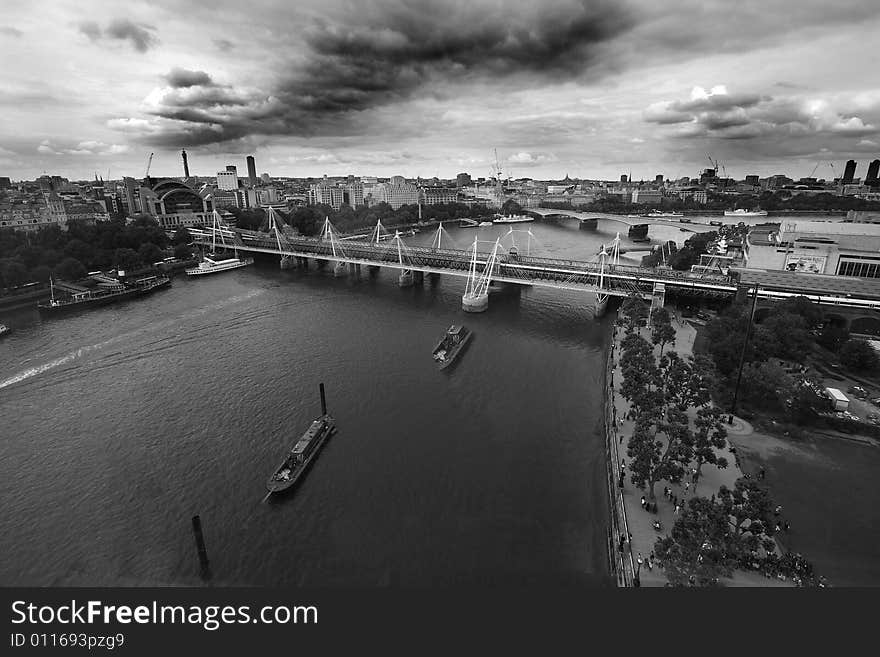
point(587, 89)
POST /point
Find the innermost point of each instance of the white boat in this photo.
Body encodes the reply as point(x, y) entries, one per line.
point(742, 212)
point(212, 265)
point(483, 224)
point(514, 219)
point(3, 329)
point(658, 213)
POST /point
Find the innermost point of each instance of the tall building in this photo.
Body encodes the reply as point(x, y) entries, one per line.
point(623, 178)
point(873, 173)
point(185, 163)
point(658, 179)
point(131, 195)
point(252, 170)
point(849, 173)
point(437, 195)
point(753, 180)
point(5, 183)
point(463, 180)
point(227, 180)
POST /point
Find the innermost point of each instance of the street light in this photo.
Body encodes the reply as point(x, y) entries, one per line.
point(742, 355)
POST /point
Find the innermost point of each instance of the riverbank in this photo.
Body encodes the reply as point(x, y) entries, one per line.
point(632, 521)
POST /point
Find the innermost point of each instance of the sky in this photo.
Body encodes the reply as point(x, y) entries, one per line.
point(585, 88)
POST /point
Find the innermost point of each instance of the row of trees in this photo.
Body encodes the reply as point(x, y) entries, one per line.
point(710, 537)
point(33, 257)
point(309, 219)
point(660, 392)
point(781, 200)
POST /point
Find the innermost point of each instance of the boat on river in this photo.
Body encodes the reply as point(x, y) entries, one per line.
point(303, 452)
point(110, 290)
point(451, 346)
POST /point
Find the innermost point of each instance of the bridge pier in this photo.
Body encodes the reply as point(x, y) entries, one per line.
point(373, 270)
point(476, 303)
point(288, 262)
point(303, 262)
point(418, 277)
point(433, 278)
point(320, 264)
point(601, 304)
point(658, 298)
point(339, 270)
point(354, 270)
point(406, 278)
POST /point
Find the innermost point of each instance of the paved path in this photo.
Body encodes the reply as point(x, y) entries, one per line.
point(640, 521)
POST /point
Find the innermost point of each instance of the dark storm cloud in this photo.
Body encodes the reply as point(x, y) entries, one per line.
point(389, 51)
point(122, 29)
point(181, 78)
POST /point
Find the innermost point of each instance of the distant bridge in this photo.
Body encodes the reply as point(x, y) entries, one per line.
point(602, 277)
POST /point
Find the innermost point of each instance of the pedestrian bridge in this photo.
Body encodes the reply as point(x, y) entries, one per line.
point(500, 261)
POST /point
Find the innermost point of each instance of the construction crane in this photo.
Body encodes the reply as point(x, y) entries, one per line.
point(149, 162)
point(714, 164)
point(814, 169)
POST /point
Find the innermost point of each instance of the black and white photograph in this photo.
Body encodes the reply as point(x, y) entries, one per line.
point(439, 295)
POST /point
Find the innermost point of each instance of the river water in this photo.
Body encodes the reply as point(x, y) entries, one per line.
point(119, 424)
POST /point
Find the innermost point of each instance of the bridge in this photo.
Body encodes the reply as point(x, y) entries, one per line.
point(503, 262)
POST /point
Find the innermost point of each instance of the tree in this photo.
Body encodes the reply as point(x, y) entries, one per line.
point(809, 311)
point(791, 336)
point(182, 252)
point(149, 253)
point(833, 336)
point(749, 512)
point(710, 435)
point(127, 259)
point(41, 274)
point(634, 311)
point(13, 272)
point(511, 207)
point(859, 355)
point(70, 269)
point(700, 548)
point(181, 236)
point(662, 331)
point(766, 385)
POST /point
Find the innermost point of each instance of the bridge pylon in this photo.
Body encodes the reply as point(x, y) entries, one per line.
point(476, 293)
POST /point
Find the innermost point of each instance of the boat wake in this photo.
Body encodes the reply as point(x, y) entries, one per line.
point(82, 351)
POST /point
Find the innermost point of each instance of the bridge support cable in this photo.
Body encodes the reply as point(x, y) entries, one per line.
point(476, 293)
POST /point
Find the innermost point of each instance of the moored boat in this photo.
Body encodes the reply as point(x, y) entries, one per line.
point(484, 224)
point(4, 330)
point(86, 298)
point(742, 212)
point(213, 265)
point(303, 452)
point(451, 346)
point(514, 219)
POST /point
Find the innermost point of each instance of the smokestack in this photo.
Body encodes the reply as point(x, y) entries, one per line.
point(185, 165)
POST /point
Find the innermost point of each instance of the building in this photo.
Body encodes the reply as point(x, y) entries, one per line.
point(849, 172)
point(353, 194)
point(252, 170)
point(396, 193)
point(658, 179)
point(698, 195)
point(753, 180)
point(267, 196)
point(463, 180)
point(5, 183)
point(818, 247)
point(647, 196)
point(871, 179)
point(624, 178)
point(132, 195)
point(174, 204)
point(325, 193)
point(32, 214)
point(227, 180)
point(438, 195)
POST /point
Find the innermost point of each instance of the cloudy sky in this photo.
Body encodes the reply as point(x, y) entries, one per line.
point(589, 88)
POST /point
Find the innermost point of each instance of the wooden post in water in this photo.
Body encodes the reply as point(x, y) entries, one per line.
point(200, 546)
point(323, 401)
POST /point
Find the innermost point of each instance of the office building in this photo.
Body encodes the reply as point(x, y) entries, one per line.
point(849, 172)
point(624, 178)
point(252, 171)
point(647, 196)
point(753, 180)
point(227, 180)
point(658, 179)
point(396, 193)
point(325, 193)
point(5, 183)
point(871, 179)
point(438, 195)
point(185, 164)
point(463, 180)
point(353, 194)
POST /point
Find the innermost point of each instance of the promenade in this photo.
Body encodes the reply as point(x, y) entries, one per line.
point(627, 500)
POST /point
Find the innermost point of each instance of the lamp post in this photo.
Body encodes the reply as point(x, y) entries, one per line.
point(742, 355)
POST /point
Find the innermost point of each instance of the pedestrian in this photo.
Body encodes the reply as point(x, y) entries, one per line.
point(621, 439)
point(677, 507)
point(778, 528)
point(687, 487)
point(786, 526)
point(777, 510)
point(643, 501)
point(639, 560)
